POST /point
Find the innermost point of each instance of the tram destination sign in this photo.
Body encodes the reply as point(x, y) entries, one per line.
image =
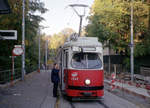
point(8, 34)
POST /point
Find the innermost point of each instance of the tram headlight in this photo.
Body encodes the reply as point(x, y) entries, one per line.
point(87, 82)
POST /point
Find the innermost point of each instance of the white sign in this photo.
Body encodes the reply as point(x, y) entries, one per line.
point(17, 51)
point(17, 46)
point(8, 34)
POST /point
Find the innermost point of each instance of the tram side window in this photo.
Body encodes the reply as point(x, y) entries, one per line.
point(66, 60)
point(86, 61)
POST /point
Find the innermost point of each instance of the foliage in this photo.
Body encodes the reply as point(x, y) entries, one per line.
point(58, 40)
point(110, 21)
point(13, 21)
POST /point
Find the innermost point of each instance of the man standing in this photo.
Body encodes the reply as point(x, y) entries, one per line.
point(55, 79)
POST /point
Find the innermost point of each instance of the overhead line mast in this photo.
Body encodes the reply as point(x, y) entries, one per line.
point(74, 6)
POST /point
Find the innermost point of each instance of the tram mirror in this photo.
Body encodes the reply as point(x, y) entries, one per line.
point(81, 49)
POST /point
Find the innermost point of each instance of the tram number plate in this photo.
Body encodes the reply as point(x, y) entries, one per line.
point(74, 78)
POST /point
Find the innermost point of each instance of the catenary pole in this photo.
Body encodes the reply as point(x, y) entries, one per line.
point(46, 47)
point(109, 60)
point(23, 39)
point(132, 45)
point(39, 51)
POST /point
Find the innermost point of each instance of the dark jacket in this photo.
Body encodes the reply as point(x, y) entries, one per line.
point(55, 76)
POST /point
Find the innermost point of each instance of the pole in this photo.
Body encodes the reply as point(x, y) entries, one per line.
point(80, 15)
point(12, 73)
point(46, 45)
point(109, 61)
point(80, 26)
point(23, 39)
point(39, 52)
point(132, 45)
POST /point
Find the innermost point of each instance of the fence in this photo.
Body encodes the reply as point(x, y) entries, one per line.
point(119, 68)
point(7, 75)
point(145, 71)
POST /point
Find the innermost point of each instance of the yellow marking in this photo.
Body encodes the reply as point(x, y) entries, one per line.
point(57, 103)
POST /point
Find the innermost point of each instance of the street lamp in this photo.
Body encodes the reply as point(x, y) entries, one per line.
point(74, 6)
point(46, 52)
point(39, 38)
point(23, 39)
point(132, 45)
point(39, 33)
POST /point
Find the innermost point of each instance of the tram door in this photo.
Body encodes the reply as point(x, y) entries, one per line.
point(64, 69)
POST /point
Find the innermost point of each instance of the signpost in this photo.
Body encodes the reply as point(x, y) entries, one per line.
point(17, 51)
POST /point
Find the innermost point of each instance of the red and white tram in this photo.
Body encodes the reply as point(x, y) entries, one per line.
point(81, 64)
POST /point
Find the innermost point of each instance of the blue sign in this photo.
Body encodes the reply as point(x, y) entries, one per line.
point(4, 7)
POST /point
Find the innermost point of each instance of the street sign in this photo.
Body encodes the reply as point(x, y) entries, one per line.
point(4, 7)
point(8, 34)
point(17, 46)
point(17, 51)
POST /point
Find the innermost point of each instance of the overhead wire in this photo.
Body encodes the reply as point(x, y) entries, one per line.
point(68, 22)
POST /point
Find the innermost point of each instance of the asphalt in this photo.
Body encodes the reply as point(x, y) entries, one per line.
point(34, 92)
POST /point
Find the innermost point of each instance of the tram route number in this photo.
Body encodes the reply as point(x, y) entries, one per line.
point(74, 76)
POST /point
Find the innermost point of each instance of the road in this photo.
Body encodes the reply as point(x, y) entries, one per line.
point(110, 101)
point(36, 92)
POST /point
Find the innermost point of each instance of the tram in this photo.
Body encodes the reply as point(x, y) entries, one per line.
point(81, 66)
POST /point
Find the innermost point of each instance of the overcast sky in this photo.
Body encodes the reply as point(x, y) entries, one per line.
point(61, 16)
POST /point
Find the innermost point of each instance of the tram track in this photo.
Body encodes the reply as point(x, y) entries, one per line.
point(103, 104)
point(71, 104)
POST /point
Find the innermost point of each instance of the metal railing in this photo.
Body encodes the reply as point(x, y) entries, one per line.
point(8, 76)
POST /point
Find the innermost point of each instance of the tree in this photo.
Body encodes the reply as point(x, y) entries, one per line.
point(57, 40)
point(110, 20)
point(13, 21)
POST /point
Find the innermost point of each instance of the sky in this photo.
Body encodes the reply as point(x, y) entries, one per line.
point(61, 16)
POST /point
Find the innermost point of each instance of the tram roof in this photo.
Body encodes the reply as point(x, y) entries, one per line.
point(83, 41)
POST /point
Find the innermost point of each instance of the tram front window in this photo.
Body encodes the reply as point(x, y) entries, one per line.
point(86, 61)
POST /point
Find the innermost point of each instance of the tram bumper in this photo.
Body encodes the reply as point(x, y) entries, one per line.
point(87, 94)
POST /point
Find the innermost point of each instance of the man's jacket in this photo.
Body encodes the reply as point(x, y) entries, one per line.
point(55, 76)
